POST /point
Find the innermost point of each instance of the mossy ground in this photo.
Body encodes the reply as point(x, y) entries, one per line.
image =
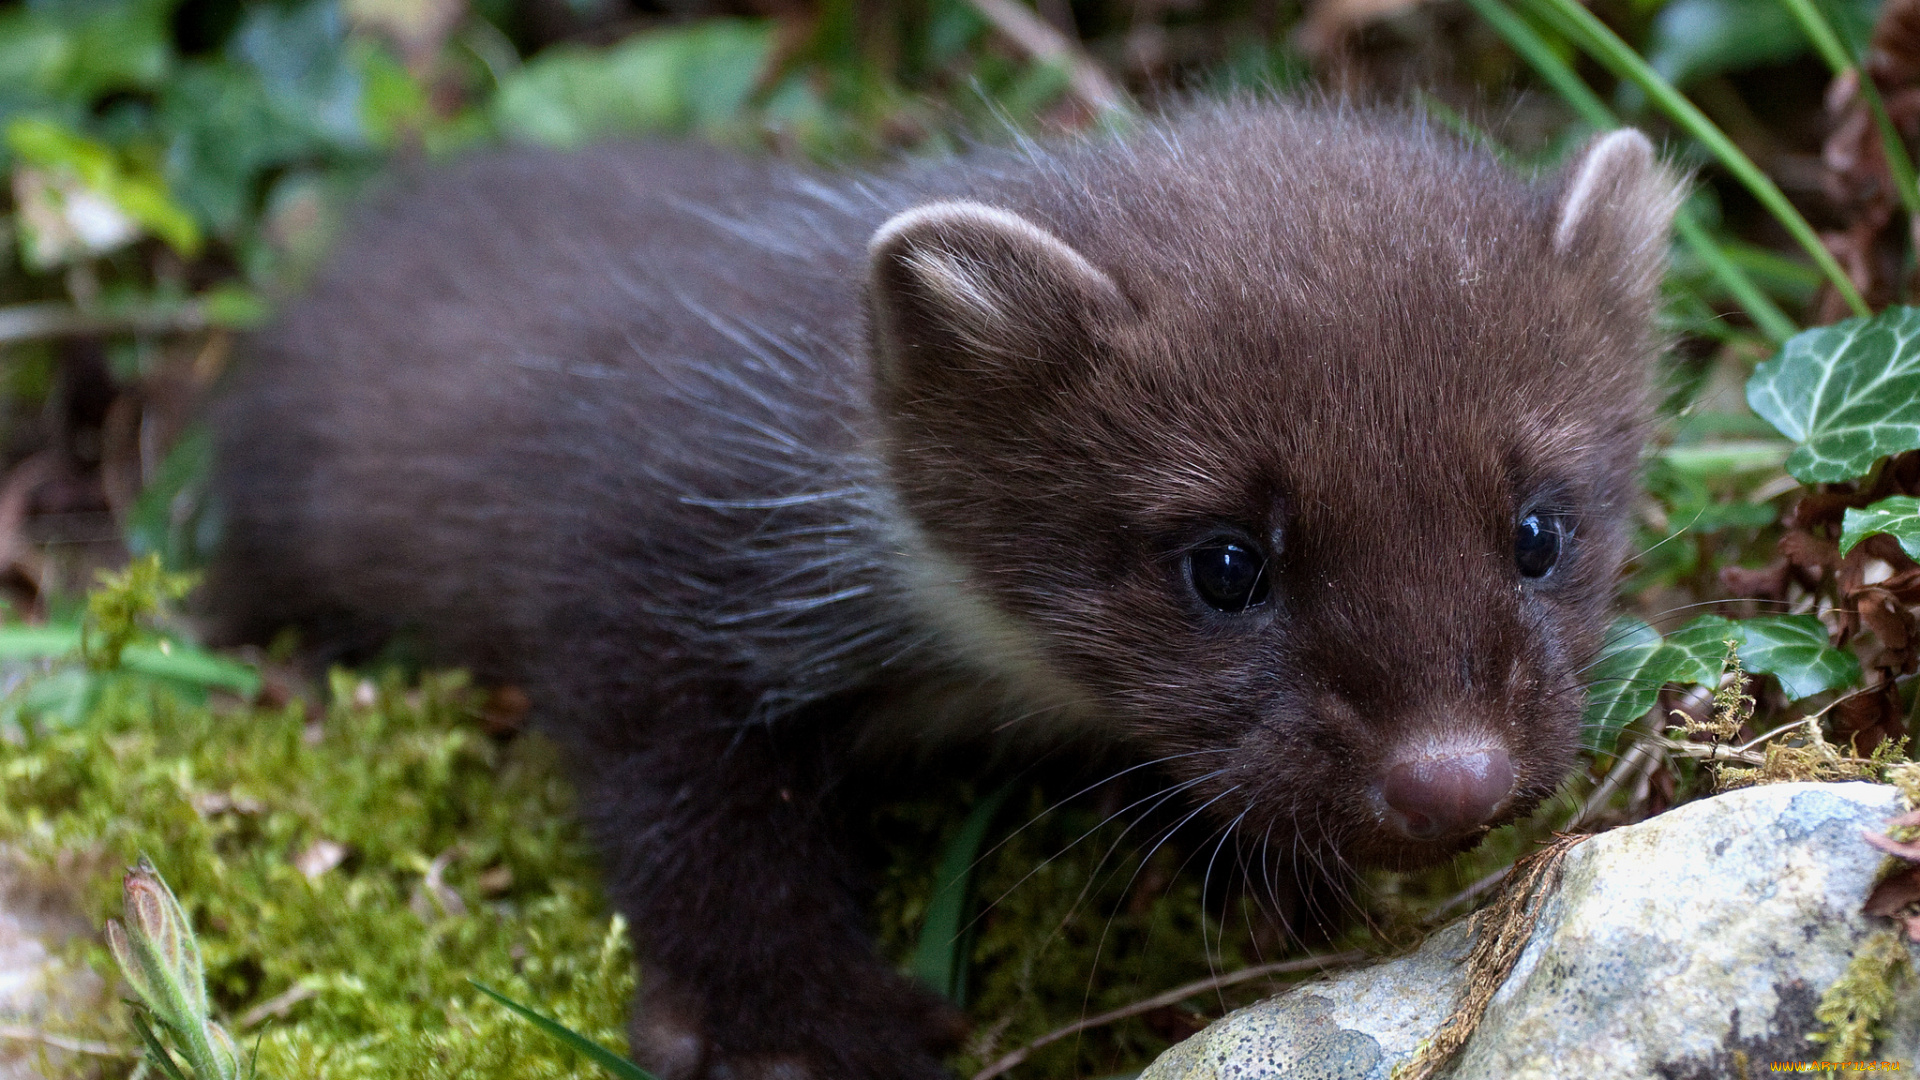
point(457, 859)
point(230, 803)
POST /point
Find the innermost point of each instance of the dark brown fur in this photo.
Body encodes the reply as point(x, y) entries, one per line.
point(617, 427)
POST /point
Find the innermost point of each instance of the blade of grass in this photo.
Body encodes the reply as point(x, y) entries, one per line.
point(156, 1052)
point(1843, 61)
point(937, 960)
point(565, 1035)
point(1592, 35)
point(1765, 314)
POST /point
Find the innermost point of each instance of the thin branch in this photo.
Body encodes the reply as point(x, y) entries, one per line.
point(1039, 40)
point(276, 1006)
point(1639, 756)
point(1171, 997)
point(34, 322)
point(66, 1042)
point(1468, 895)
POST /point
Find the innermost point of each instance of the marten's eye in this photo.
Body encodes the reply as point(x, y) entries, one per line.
point(1230, 575)
point(1536, 544)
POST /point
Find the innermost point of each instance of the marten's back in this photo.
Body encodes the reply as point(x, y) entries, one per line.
point(540, 414)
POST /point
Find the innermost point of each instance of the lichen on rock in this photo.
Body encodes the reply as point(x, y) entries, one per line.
point(1697, 943)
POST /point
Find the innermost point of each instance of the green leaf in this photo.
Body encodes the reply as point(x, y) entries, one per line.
point(21, 642)
point(1624, 682)
point(565, 1035)
point(173, 661)
point(1791, 648)
point(35, 141)
point(1848, 393)
point(233, 306)
point(697, 78)
point(305, 62)
point(156, 1052)
point(140, 193)
point(1898, 517)
point(1700, 649)
point(1693, 39)
point(192, 667)
point(1794, 649)
point(118, 47)
point(1718, 459)
point(288, 90)
point(62, 699)
point(938, 959)
point(35, 53)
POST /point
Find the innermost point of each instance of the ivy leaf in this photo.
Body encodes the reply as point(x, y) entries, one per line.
point(1794, 649)
point(1635, 663)
point(1898, 517)
point(1700, 649)
point(1625, 681)
point(1849, 394)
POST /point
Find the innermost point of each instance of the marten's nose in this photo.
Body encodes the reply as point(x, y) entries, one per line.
point(1447, 794)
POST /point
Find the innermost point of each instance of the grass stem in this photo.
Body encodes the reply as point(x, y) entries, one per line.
point(1765, 314)
point(1604, 45)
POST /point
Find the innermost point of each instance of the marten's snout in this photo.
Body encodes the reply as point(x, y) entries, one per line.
point(1445, 793)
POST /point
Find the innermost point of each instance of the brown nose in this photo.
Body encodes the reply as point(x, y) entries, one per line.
point(1445, 796)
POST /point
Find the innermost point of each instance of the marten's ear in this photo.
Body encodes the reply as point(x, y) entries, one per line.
point(1617, 202)
point(960, 290)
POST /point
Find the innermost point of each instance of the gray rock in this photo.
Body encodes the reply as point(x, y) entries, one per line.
point(1696, 944)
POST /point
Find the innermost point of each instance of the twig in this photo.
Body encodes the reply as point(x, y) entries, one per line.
point(1039, 40)
point(1170, 997)
point(33, 322)
point(275, 1006)
point(1638, 756)
point(66, 1042)
point(1468, 895)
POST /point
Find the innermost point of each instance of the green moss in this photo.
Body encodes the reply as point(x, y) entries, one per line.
point(1852, 1009)
point(232, 804)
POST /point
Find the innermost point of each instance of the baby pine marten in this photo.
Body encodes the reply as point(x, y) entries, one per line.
point(1290, 446)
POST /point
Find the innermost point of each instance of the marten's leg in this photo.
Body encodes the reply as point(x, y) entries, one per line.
point(754, 959)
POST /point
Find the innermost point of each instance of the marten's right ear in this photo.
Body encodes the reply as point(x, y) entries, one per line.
point(959, 291)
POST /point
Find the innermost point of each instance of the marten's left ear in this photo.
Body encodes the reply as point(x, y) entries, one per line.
point(962, 293)
point(1617, 201)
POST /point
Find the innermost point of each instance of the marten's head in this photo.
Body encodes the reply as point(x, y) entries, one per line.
point(1301, 450)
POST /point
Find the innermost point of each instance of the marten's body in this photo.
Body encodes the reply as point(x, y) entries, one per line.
point(1291, 447)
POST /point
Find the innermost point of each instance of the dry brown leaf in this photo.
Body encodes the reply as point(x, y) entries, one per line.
point(1866, 720)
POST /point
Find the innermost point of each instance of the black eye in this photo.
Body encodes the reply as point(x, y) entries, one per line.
point(1536, 544)
point(1228, 575)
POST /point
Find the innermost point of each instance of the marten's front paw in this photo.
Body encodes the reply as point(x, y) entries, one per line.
point(884, 1028)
